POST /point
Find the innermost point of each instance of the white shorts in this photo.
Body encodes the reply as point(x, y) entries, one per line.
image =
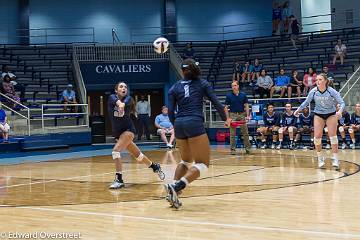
point(167, 131)
point(4, 127)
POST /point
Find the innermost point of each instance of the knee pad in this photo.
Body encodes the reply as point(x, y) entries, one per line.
point(317, 141)
point(281, 130)
point(291, 129)
point(115, 155)
point(140, 157)
point(201, 167)
point(186, 164)
point(334, 140)
point(351, 130)
point(326, 129)
point(341, 129)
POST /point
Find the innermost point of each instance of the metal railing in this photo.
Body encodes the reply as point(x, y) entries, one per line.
point(349, 86)
point(79, 81)
point(45, 116)
point(18, 113)
point(175, 60)
point(126, 52)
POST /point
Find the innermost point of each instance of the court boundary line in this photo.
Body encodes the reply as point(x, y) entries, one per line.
point(192, 222)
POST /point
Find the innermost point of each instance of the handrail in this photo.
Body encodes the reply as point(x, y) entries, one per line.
point(16, 112)
point(43, 114)
point(79, 79)
point(175, 60)
point(347, 83)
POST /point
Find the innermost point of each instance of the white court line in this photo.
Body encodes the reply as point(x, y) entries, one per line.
point(194, 223)
point(71, 178)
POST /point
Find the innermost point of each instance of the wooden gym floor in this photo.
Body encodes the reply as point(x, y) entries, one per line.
point(266, 195)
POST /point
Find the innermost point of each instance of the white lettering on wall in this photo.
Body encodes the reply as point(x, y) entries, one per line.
point(128, 68)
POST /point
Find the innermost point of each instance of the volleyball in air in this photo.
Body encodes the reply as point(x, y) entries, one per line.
point(161, 45)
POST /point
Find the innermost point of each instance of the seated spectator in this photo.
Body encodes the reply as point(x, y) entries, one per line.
point(68, 97)
point(295, 83)
point(328, 74)
point(247, 72)
point(305, 124)
point(340, 52)
point(4, 126)
point(271, 126)
point(282, 83)
point(287, 126)
point(257, 69)
point(264, 84)
point(17, 86)
point(343, 125)
point(309, 80)
point(237, 70)
point(164, 126)
point(189, 52)
point(9, 90)
point(355, 125)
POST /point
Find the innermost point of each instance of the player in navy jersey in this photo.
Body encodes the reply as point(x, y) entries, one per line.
point(188, 95)
point(325, 99)
point(355, 125)
point(343, 125)
point(271, 121)
point(305, 124)
point(119, 108)
point(288, 126)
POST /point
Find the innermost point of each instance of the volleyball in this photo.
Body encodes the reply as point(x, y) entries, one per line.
point(161, 45)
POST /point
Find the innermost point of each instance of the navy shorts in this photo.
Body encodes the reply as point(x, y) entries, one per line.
point(325, 116)
point(117, 132)
point(189, 127)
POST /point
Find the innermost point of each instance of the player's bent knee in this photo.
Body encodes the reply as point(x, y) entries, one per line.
point(341, 129)
point(140, 157)
point(116, 155)
point(334, 140)
point(351, 130)
point(186, 164)
point(201, 167)
point(281, 130)
point(291, 129)
point(317, 141)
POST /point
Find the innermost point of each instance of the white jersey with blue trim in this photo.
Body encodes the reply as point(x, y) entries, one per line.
point(325, 102)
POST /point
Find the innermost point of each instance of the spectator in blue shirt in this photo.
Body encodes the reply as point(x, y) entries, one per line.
point(282, 83)
point(4, 126)
point(257, 69)
point(247, 72)
point(164, 126)
point(68, 97)
point(189, 52)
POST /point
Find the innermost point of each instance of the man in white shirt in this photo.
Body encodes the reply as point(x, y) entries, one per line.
point(143, 111)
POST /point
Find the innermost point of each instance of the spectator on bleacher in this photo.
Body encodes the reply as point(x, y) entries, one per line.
point(271, 121)
point(4, 126)
point(305, 124)
point(17, 86)
point(355, 125)
point(9, 90)
point(164, 127)
point(247, 72)
point(237, 70)
point(295, 30)
point(286, 13)
point(264, 84)
point(287, 126)
point(68, 97)
point(340, 52)
point(189, 51)
point(328, 74)
point(257, 69)
point(282, 83)
point(143, 111)
point(276, 18)
point(309, 80)
point(295, 83)
point(237, 107)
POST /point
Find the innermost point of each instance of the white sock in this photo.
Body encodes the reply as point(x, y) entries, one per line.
point(184, 180)
point(319, 154)
point(353, 140)
point(335, 156)
point(264, 140)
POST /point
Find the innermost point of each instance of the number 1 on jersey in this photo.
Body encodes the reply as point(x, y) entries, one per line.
point(187, 92)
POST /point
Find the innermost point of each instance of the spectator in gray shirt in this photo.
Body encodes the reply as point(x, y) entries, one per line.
point(144, 112)
point(264, 83)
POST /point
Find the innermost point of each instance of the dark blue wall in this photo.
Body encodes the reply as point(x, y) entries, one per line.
point(8, 21)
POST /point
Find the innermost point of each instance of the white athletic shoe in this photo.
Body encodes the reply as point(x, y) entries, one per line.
point(272, 146)
point(353, 146)
point(343, 146)
point(321, 162)
point(278, 146)
point(116, 185)
point(335, 163)
point(169, 145)
point(327, 146)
